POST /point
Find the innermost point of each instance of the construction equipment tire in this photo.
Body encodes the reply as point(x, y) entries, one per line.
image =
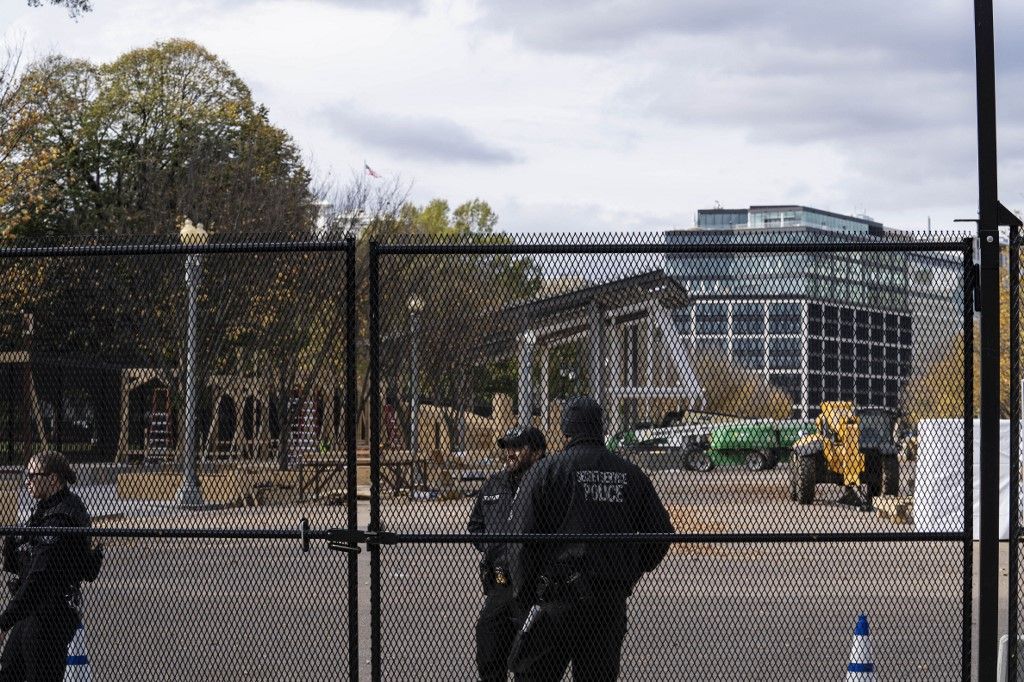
point(700, 461)
point(806, 478)
point(890, 476)
point(756, 460)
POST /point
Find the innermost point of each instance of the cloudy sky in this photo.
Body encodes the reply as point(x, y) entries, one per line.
point(600, 115)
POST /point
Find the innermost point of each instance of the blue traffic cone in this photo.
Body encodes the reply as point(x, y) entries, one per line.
point(77, 669)
point(861, 668)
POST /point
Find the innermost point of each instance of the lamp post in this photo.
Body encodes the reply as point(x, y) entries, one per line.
point(190, 495)
point(415, 305)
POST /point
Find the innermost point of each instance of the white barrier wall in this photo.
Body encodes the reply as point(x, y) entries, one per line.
point(939, 489)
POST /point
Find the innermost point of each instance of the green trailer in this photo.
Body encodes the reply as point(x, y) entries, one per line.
point(757, 444)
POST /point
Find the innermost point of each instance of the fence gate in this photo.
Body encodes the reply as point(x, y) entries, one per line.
point(205, 395)
point(712, 354)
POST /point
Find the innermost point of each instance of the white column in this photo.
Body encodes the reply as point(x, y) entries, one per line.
point(594, 337)
point(545, 396)
point(614, 380)
point(527, 342)
point(646, 374)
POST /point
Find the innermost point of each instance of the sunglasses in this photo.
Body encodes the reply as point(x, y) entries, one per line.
point(36, 474)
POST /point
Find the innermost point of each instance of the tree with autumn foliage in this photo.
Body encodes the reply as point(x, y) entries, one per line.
point(731, 389)
point(121, 153)
point(459, 295)
point(937, 390)
point(130, 147)
point(127, 150)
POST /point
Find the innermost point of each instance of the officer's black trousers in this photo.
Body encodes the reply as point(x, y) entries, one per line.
point(588, 634)
point(495, 629)
point(36, 648)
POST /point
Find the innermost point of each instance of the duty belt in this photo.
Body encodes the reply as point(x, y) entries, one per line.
point(500, 576)
point(574, 587)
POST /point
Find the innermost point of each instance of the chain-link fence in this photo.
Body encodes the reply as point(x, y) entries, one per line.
point(796, 398)
point(801, 403)
point(205, 397)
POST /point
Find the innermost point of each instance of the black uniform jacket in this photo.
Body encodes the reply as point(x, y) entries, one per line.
point(586, 489)
point(48, 566)
point(491, 515)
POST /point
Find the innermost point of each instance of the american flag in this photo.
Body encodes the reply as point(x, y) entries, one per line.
point(369, 171)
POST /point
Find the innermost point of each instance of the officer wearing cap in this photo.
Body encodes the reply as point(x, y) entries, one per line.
point(498, 622)
point(577, 591)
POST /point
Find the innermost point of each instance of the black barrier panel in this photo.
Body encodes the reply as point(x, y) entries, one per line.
point(205, 396)
point(765, 384)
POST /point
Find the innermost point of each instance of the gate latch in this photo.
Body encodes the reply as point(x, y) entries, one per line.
point(348, 540)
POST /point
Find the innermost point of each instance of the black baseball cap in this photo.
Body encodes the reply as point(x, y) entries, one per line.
point(529, 436)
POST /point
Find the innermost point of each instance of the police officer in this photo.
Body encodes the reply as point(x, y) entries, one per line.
point(499, 618)
point(44, 610)
point(578, 590)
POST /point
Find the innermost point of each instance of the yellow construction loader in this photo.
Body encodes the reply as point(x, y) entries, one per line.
point(851, 447)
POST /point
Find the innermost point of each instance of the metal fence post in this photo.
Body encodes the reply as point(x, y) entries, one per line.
point(966, 635)
point(374, 300)
point(988, 235)
point(1015, 398)
point(351, 405)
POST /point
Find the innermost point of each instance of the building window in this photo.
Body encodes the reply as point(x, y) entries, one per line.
point(748, 318)
point(784, 318)
point(784, 353)
point(711, 318)
point(749, 352)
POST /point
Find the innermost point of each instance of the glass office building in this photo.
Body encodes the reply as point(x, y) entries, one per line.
point(821, 325)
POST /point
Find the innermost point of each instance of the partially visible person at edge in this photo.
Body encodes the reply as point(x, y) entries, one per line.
point(40, 619)
point(499, 618)
point(577, 591)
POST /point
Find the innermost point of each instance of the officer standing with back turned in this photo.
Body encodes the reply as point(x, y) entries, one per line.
point(577, 591)
point(500, 618)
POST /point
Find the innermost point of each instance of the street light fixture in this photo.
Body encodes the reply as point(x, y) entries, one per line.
point(190, 495)
point(415, 305)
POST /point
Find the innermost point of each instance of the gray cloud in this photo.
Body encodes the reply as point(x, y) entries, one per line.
point(934, 33)
point(408, 6)
point(791, 72)
point(526, 217)
point(841, 101)
point(427, 137)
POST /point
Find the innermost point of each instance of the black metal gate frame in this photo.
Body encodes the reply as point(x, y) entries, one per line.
point(349, 538)
point(376, 536)
point(303, 533)
point(1013, 568)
